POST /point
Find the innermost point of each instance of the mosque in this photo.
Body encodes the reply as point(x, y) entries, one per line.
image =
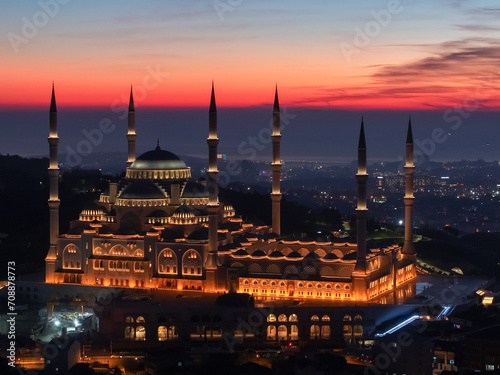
point(160, 229)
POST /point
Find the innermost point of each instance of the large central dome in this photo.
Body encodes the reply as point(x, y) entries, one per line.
point(158, 159)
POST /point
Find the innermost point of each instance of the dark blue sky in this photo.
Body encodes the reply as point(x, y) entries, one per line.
point(312, 134)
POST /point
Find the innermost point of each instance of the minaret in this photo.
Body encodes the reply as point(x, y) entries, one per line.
point(50, 260)
point(276, 166)
point(361, 210)
point(408, 248)
point(213, 202)
point(131, 136)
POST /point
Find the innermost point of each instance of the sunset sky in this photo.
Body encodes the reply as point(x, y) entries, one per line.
point(436, 59)
point(414, 54)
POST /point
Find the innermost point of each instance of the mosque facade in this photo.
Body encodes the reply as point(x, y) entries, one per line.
point(158, 228)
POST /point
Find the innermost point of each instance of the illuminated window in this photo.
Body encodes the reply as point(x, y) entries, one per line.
point(140, 319)
point(325, 318)
point(301, 285)
point(318, 286)
point(347, 318)
point(271, 318)
point(282, 318)
point(315, 318)
point(293, 318)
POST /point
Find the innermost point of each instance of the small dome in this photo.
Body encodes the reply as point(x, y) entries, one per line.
point(93, 206)
point(195, 190)
point(330, 256)
point(294, 255)
point(240, 253)
point(158, 159)
point(158, 213)
point(276, 254)
point(200, 234)
point(350, 256)
point(258, 254)
point(142, 190)
point(183, 212)
point(312, 255)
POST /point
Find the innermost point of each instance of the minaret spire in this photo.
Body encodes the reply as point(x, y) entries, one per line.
point(409, 199)
point(360, 275)
point(50, 260)
point(213, 201)
point(131, 136)
point(361, 210)
point(276, 166)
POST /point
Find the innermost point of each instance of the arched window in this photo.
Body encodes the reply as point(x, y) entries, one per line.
point(282, 318)
point(162, 333)
point(325, 332)
point(271, 318)
point(140, 319)
point(358, 318)
point(325, 318)
point(273, 283)
point(118, 250)
point(282, 284)
point(315, 318)
point(167, 261)
point(347, 287)
point(347, 318)
point(315, 332)
point(347, 330)
point(129, 319)
point(140, 333)
point(282, 332)
point(245, 282)
point(129, 333)
point(271, 332)
point(309, 285)
point(301, 285)
point(337, 287)
point(255, 283)
point(318, 286)
point(293, 318)
point(191, 261)
point(358, 330)
point(294, 332)
point(70, 255)
point(328, 286)
point(264, 283)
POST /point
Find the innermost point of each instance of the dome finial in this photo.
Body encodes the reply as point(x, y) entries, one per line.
point(158, 144)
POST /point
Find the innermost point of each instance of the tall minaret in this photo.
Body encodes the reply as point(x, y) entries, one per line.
point(213, 202)
point(361, 210)
point(50, 260)
point(276, 166)
point(131, 136)
point(408, 248)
